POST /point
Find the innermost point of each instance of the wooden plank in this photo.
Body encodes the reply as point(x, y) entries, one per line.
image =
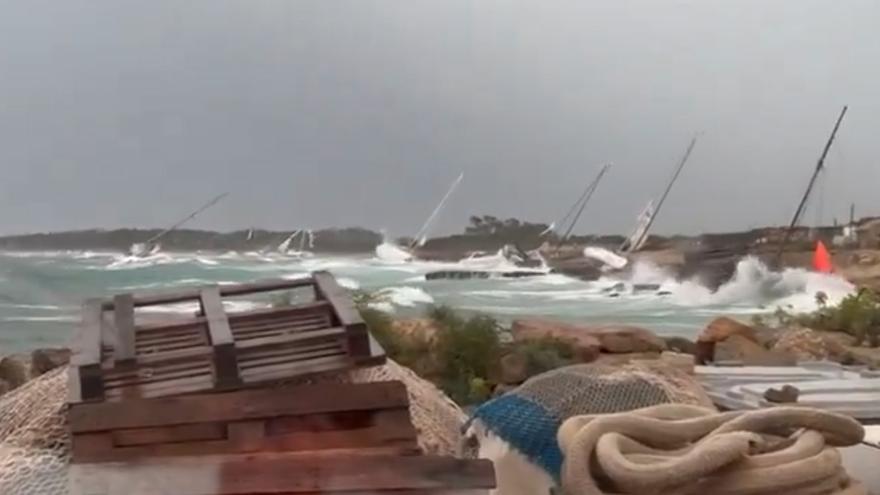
point(170, 356)
point(123, 319)
point(165, 388)
point(241, 405)
point(245, 436)
point(281, 473)
point(90, 445)
point(168, 434)
point(259, 363)
point(177, 296)
point(330, 334)
point(345, 312)
point(87, 354)
point(265, 374)
point(224, 354)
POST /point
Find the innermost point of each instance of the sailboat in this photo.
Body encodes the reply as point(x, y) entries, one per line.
point(389, 251)
point(151, 246)
point(620, 257)
point(306, 239)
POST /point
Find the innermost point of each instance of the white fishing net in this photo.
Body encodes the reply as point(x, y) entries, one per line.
point(35, 443)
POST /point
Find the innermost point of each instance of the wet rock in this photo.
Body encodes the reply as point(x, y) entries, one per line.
point(14, 371)
point(45, 360)
point(585, 345)
point(720, 329)
point(681, 344)
point(785, 395)
point(514, 368)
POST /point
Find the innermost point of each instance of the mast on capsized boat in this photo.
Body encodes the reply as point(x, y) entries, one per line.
point(581, 203)
point(422, 234)
point(640, 241)
point(820, 165)
point(150, 244)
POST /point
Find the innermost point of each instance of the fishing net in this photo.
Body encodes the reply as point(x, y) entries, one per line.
point(35, 443)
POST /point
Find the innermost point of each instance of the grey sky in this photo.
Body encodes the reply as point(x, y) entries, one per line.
point(336, 113)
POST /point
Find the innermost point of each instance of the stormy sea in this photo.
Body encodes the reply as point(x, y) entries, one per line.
point(41, 292)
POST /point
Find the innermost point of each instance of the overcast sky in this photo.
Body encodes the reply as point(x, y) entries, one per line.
point(336, 113)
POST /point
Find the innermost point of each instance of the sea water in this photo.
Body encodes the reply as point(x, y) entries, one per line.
point(41, 292)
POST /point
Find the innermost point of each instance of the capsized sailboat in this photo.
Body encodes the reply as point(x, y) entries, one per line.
point(392, 252)
point(619, 258)
point(151, 246)
point(306, 244)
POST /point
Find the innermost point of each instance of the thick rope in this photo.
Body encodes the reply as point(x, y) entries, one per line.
point(689, 450)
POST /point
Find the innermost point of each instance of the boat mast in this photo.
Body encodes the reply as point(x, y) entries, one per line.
point(820, 165)
point(187, 218)
point(684, 159)
point(417, 240)
point(585, 198)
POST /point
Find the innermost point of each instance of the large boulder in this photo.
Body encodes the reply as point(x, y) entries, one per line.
point(681, 345)
point(807, 345)
point(585, 345)
point(744, 350)
point(46, 360)
point(14, 371)
point(720, 329)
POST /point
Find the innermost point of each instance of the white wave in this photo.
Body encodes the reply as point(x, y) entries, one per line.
point(392, 253)
point(755, 284)
point(190, 308)
point(406, 296)
point(24, 319)
point(44, 307)
point(348, 283)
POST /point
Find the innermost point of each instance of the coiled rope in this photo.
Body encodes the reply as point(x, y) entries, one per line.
point(690, 450)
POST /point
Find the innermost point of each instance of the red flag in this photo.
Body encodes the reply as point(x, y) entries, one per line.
point(821, 259)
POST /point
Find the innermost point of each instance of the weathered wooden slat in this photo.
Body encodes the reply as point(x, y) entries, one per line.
point(149, 340)
point(318, 322)
point(145, 360)
point(225, 360)
point(283, 473)
point(166, 388)
point(276, 341)
point(255, 365)
point(281, 371)
point(240, 405)
point(123, 320)
point(160, 375)
point(346, 313)
point(169, 434)
point(252, 356)
point(171, 297)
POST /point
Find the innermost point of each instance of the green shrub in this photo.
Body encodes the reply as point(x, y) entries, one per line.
point(857, 314)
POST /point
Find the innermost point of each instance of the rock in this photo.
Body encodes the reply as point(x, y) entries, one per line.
point(13, 371)
point(742, 349)
point(585, 345)
point(514, 368)
point(786, 395)
point(681, 345)
point(416, 331)
point(45, 360)
point(720, 329)
point(683, 362)
point(807, 345)
point(4, 387)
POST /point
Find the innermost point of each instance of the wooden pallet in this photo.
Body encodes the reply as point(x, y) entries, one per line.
point(119, 358)
point(288, 418)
